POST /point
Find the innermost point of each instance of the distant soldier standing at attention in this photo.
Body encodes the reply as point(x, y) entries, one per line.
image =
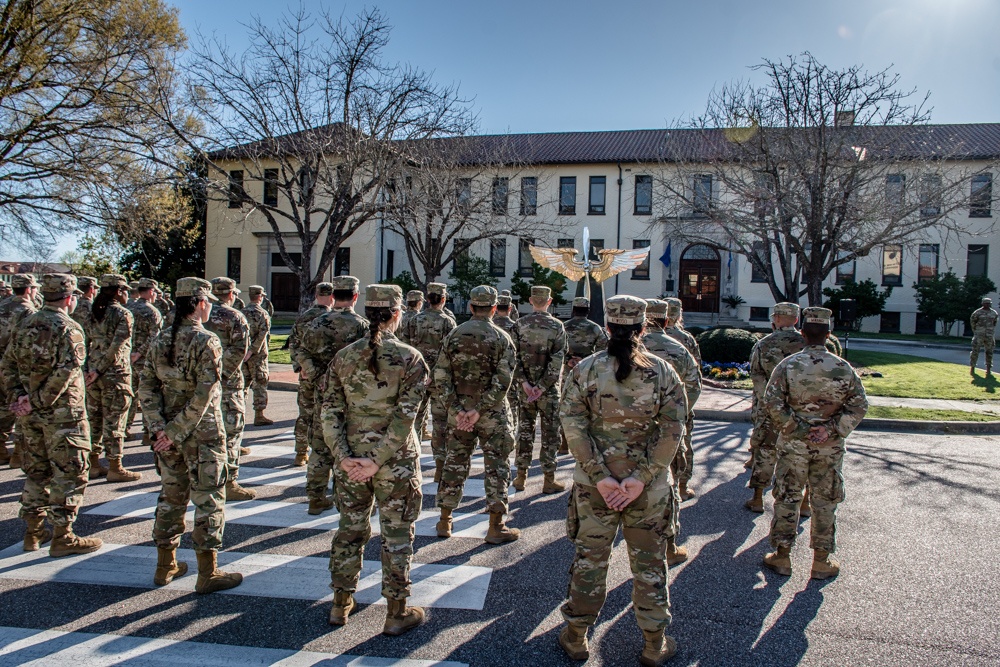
point(816, 400)
point(584, 337)
point(147, 322)
point(502, 320)
point(414, 304)
point(512, 313)
point(306, 396)
point(13, 311)
point(984, 326)
point(675, 313)
point(255, 368)
point(82, 316)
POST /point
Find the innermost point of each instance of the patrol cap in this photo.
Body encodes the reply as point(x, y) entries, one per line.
point(437, 288)
point(625, 310)
point(786, 308)
point(148, 283)
point(133, 284)
point(581, 302)
point(484, 295)
point(324, 289)
point(346, 282)
point(414, 295)
point(816, 315)
point(113, 280)
point(987, 301)
point(383, 296)
point(674, 307)
point(505, 292)
point(503, 300)
point(23, 280)
point(256, 290)
point(223, 285)
point(85, 282)
point(195, 287)
point(541, 292)
point(656, 308)
point(58, 286)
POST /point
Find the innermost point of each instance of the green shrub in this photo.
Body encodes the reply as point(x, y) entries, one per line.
point(695, 331)
point(726, 344)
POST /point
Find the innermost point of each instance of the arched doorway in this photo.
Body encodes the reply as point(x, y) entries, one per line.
point(699, 279)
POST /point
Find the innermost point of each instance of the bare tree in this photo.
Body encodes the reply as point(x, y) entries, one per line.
point(313, 111)
point(815, 168)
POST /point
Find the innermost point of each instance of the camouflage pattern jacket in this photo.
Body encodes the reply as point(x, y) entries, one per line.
point(815, 388)
point(621, 429)
point(45, 362)
point(260, 328)
point(407, 316)
point(233, 332)
point(327, 335)
point(583, 338)
point(687, 340)
point(767, 354)
point(505, 323)
point(110, 344)
point(671, 351)
point(163, 305)
point(475, 367)
point(368, 416)
point(426, 331)
point(541, 350)
point(983, 322)
point(185, 398)
point(13, 311)
point(299, 328)
point(81, 314)
point(147, 323)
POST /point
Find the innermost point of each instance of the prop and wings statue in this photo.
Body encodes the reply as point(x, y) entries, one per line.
point(610, 263)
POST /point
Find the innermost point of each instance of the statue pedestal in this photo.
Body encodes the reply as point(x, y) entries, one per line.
point(596, 299)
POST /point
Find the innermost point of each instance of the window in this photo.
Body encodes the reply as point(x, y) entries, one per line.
point(981, 196)
point(463, 193)
point(978, 260)
point(892, 265)
point(598, 195)
point(500, 191)
point(270, 187)
point(641, 272)
point(702, 199)
point(498, 257)
point(306, 182)
point(342, 262)
point(930, 195)
point(759, 275)
point(567, 195)
point(846, 272)
point(895, 192)
point(234, 263)
point(758, 314)
point(524, 258)
point(296, 258)
point(235, 188)
point(889, 323)
point(643, 195)
point(927, 264)
point(529, 195)
point(926, 324)
point(565, 243)
point(595, 245)
point(390, 264)
point(763, 204)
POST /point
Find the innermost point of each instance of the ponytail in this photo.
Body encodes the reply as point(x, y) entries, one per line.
point(379, 318)
point(102, 301)
point(184, 308)
point(625, 345)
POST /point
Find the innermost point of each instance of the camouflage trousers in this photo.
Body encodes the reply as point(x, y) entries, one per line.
point(439, 424)
point(134, 405)
point(234, 418)
point(108, 402)
point(306, 398)
point(592, 527)
point(800, 464)
point(984, 342)
point(395, 488)
point(8, 422)
point(764, 448)
point(56, 467)
point(673, 529)
point(321, 464)
point(547, 407)
point(496, 438)
point(686, 469)
point(195, 471)
point(256, 372)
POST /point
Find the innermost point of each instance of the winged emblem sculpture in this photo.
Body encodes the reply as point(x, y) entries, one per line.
point(611, 262)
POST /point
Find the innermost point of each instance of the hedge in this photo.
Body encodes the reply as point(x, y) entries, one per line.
point(724, 344)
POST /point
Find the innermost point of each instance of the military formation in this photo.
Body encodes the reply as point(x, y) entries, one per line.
point(619, 399)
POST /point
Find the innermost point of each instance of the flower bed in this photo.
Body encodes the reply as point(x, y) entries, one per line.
point(726, 370)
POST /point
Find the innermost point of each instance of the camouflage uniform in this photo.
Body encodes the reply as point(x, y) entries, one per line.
point(413, 296)
point(808, 389)
point(426, 331)
point(84, 305)
point(255, 368)
point(503, 321)
point(541, 350)
point(621, 429)
point(13, 311)
point(674, 314)
point(372, 417)
point(267, 306)
point(109, 396)
point(184, 400)
point(984, 325)
point(307, 386)
point(583, 338)
point(147, 322)
point(325, 336)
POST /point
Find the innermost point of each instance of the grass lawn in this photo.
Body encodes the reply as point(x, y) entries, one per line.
point(885, 412)
point(282, 321)
point(922, 338)
point(275, 355)
point(919, 377)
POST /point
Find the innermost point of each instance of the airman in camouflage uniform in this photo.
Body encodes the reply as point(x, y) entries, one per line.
point(584, 337)
point(623, 435)
point(13, 312)
point(147, 322)
point(43, 371)
point(541, 350)
point(233, 332)
point(984, 326)
point(109, 378)
point(676, 355)
point(502, 320)
point(426, 331)
point(325, 336)
point(307, 387)
point(767, 353)
point(512, 313)
point(414, 304)
point(88, 286)
point(267, 306)
point(255, 368)
point(815, 400)
point(472, 376)
point(374, 390)
point(181, 394)
point(162, 302)
point(5, 291)
point(133, 293)
point(675, 314)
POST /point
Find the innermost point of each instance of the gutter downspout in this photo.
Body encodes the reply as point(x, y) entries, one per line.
point(618, 242)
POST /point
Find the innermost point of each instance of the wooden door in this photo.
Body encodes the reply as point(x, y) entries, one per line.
point(699, 279)
point(285, 292)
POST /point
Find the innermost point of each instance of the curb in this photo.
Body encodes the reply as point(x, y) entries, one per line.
point(877, 424)
point(912, 343)
point(283, 386)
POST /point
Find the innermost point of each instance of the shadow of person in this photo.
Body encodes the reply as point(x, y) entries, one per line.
point(785, 642)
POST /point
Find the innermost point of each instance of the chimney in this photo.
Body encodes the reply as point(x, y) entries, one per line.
point(843, 118)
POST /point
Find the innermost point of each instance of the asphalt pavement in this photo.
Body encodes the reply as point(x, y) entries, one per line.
point(916, 538)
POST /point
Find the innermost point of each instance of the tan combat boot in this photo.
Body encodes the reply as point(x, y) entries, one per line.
point(211, 578)
point(658, 649)
point(684, 491)
point(36, 534)
point(244, 451)
point(756, 504)
point(748, 463)
point(550, 485)
point(15, 458)
point(499, 533)
point(167, 567)
point(573, 640)
point(399, 618)
point(65, 543)
point(444, 525)
point(522, 477)
point(96, 469)
point(438, 469)
point(343, 605)
point(319, 505)
point(4, 455)
point(823, 566)
point(259, 419)
point(301, 459)
point(780, 561)
point(675, 554)
point(118, 473)
point(805, 509)
point(236, 492)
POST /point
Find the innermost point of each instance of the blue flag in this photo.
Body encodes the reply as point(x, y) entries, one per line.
point(665, 257)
